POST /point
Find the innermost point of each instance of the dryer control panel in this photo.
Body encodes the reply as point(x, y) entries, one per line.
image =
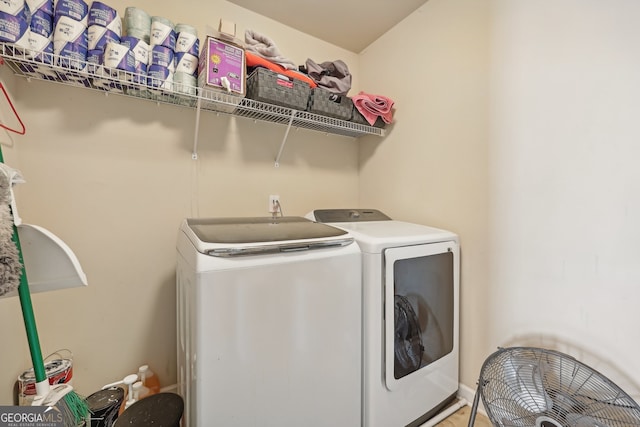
point(349, 215)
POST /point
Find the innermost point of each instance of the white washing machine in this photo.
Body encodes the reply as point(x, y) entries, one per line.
point(269, 323)
point(410, 315)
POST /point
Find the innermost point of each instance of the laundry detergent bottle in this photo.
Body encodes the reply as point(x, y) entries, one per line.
point(149, 380)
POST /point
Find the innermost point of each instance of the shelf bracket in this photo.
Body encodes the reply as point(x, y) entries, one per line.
point(284, 140)
point(194, 153)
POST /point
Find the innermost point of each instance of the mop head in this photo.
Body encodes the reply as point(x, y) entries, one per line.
point(10, 268)
point(73, 409)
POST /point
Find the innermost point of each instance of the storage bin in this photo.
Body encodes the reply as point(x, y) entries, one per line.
point(267, 86)
point(330, 104)
point(359, 118)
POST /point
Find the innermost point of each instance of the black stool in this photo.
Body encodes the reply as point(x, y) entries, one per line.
point(104, 406)
point(158, 410)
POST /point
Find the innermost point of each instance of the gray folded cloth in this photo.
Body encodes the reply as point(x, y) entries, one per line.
point(264, 47)
point(333, 76)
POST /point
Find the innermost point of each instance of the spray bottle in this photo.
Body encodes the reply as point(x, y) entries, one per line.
point(128, 382)
point(149, 380)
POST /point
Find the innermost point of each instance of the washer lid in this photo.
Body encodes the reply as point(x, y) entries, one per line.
point(259, 229)
point(261, 235)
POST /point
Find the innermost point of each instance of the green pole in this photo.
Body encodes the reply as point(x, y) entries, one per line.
point(28, 316)
point(27, 310)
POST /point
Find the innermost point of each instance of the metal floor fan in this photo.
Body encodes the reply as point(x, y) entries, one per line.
point(527, 386)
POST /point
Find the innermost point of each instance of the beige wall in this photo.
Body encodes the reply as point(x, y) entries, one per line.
point(113, 177)
point(517, 128)
point(432, 166)
point(564, 181)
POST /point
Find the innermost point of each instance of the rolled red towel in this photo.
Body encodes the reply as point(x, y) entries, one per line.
point(374, 106)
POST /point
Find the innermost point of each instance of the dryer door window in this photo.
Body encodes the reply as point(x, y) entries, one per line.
point(419, 308)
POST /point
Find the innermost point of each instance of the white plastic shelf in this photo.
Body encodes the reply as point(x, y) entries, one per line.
point(119, 82)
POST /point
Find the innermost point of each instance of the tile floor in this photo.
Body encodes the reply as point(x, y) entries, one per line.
point(460, 418)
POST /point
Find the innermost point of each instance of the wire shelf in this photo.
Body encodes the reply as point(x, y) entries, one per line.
point(56, 69)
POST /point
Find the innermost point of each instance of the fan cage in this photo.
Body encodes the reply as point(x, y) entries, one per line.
point(526, 386)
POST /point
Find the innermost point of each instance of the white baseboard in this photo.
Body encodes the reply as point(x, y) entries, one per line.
point(468, 394)
point(464, 392)
point(173, 388)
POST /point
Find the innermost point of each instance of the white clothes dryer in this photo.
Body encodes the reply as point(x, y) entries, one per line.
point(269, 323)
point(410, 315)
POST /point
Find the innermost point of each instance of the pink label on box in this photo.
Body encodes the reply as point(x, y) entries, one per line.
point(285, 83)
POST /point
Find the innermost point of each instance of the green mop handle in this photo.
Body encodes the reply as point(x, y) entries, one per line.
point(28, 316)
point(27, 310)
